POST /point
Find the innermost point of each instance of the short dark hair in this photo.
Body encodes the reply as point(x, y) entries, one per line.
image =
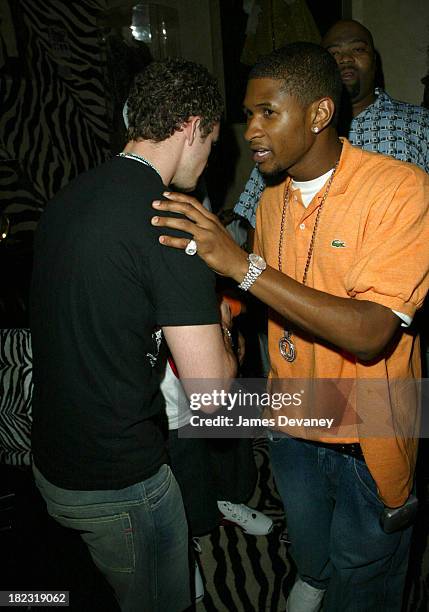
point(166, 94)
point(308, 71)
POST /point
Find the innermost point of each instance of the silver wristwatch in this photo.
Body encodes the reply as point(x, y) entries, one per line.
point(256, 266)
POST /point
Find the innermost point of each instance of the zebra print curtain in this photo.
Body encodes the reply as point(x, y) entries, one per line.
point(16, 392)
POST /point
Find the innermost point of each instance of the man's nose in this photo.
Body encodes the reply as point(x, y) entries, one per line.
point(344, 57)
point(253, 129)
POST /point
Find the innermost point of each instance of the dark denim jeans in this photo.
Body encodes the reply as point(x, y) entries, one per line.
point(332, 513)
point(137, 537)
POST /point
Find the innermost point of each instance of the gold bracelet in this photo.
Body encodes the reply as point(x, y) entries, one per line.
point(227, 333)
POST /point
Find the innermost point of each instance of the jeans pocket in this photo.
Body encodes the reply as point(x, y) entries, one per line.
point(159, 486)
point(367, 482)
point(109, 539)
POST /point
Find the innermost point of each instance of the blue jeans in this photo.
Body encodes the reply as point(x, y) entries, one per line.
point(332, 512)
point(137, 537)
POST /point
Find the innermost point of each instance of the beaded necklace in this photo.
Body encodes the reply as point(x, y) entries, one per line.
point(286, 346)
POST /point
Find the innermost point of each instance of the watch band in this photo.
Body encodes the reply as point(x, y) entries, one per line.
point(251, 275)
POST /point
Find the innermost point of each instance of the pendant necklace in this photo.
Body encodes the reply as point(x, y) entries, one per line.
point(140, 159)
point(286, 345)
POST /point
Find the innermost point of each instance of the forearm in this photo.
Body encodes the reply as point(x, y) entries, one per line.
point(225, 373)
point(362, 328)
point(203, 356)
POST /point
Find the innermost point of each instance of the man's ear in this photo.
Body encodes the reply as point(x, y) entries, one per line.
point(322, 112)
point(191, 129)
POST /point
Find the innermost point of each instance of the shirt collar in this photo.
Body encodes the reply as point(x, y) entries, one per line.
point(381, 97)
point(350, 160)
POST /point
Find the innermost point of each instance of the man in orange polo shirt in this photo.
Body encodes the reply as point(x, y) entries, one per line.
point(343, 264)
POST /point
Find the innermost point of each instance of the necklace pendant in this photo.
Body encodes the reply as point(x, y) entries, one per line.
point(287, 347)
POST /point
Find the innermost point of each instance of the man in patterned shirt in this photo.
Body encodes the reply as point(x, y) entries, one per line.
point(379, 122)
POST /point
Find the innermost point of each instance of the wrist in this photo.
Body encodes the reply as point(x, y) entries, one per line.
point(241, 268)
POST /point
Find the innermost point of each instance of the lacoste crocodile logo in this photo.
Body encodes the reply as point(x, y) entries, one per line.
point(338, 244)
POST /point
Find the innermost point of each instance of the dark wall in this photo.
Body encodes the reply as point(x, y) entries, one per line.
point(272, 33)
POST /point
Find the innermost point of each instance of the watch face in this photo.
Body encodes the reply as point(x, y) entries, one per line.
point(257, 261)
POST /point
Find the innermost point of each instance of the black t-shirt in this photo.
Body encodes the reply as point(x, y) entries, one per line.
point(102, 284)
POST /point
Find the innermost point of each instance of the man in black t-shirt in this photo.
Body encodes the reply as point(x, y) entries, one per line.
point(104, 294)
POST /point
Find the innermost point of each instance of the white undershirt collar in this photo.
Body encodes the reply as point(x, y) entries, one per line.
point(309, 189)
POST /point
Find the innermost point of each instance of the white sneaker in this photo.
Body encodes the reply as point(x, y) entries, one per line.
point(199, 585)
point(250, 520)
point(304, 598)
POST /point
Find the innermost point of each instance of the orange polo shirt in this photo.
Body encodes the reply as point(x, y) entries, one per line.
point(372, 243)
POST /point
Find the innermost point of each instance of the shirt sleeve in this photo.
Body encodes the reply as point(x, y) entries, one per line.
point(183, 288)
point(257, 242)
point(392, 263)
point(406, 320)
point(249, 199)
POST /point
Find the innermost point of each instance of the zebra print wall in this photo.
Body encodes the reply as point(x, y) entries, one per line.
point(53, 123)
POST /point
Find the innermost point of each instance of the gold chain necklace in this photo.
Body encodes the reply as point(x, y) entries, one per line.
point(286, 345)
